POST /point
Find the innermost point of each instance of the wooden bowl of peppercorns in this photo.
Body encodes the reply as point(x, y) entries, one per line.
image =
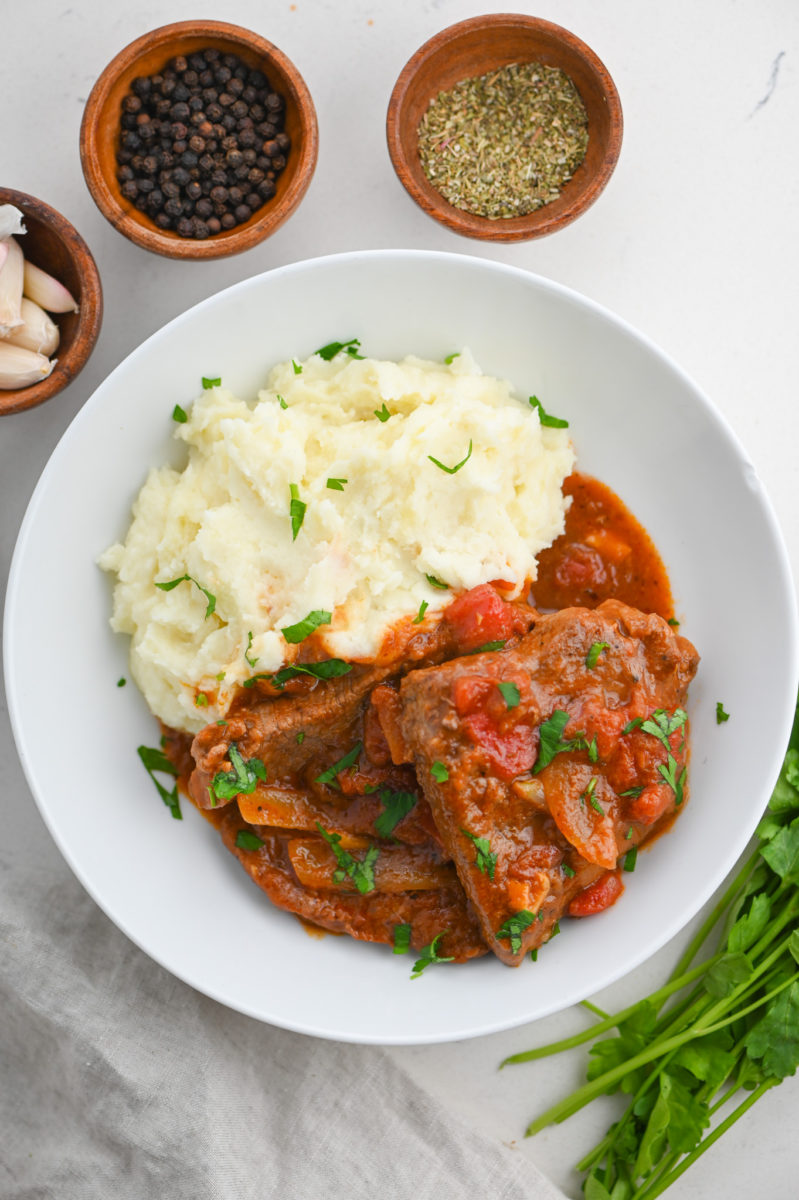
point(199, 140)
point(504, 127)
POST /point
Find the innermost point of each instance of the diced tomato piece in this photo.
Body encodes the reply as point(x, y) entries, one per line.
point(597, 896)
point(471, 693)
point(655, 799)
point(510, 752)
point(580, 568)
point(480, 616)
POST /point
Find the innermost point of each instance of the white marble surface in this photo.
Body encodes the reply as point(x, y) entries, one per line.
point(694, 241)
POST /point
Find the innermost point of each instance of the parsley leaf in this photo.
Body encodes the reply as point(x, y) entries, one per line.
point(210, 383)
point(630, 859)
point(396, 805)
point(303, 629)
point(179, 415)
point(510, 694)
point(567, 870)
point(297, 367)
point(173, 583)
point(383, 414)
point(775, 1038)
point(457, 467)
point(662, 724)
point(329, 776)
point(545, 418)
point(359, 870)
point(436, 583)
point(156, 760)
point(247, 840)
point(122, 681)
point(402, 939)
point(449, 360)
point(242, 780)
point(428, 955)
point(551, 742)
point(423, 607)
point(721, 715)
point(336, 485)
point(281, 401)
point(487, 646)
point(297, 509)
point(592, 657)
point(250, 661)
point(514, 927)
point(676, 782)
point(439, 772)
point(333, 348)
point(485, 860)
point(328, 668)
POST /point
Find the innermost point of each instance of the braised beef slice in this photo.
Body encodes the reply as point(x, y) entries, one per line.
point(371, 917)
point(553, 829)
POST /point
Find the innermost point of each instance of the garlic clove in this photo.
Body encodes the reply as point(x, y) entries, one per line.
point(38, 331)
point(46, 291)
point(20, 368)
point(11, 279)
point(3, 253)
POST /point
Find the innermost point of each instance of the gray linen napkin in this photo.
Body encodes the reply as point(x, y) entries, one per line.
point(118, 1081)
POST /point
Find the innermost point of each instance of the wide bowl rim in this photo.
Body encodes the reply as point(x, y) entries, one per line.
point(90, 315)
point(227, 243)
point(542, 222)
point(712, 878)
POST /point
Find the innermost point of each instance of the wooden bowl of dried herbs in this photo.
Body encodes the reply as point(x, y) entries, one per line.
point(504, 127)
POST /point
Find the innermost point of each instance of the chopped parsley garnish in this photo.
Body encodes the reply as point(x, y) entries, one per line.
point(423, 607)
point(179, 415)
point(242, 780)
point(545, 418)
point(396, 805)
point(297, 367)
point(636, 723)
point(676, 782)
point(428, 955)
point(211, 383)
point(487, 646)
point(514, 927)
point(220, 676)
point(333, 348)
point(552, 743)
point(360, 870)
point(329, 776)
point(629, 833)
point(402, 939)
point(567, 870)
point(201, 700)
point(592, 657)
point(436, 583)
point(156, 760)
point(439, 772)
point(555, 931)
point(281, 401)
point(173, 583)
point(297, 509)
point(630, 859)
point(382, 414)
point(250, 661)
point(449, 360)
point(336, 485)
point(303, 629)
point(329, 668)
point(121, 682)
point(721, 715)
point(662, 724)
point(673, 621)
point(534, 955)
point(510, 694)
point(247, 840)
point(633, 791)
point(457, 467)
point(588, 794)
point(300, 738)
point(486, 859)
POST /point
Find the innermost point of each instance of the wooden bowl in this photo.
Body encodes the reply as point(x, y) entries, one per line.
point(53, 244)
point(476, 47)
point(100, 128)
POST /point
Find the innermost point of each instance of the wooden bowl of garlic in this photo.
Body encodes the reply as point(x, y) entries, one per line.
point(51, 301)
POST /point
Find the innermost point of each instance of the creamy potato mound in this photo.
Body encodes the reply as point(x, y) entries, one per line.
point(362, 553)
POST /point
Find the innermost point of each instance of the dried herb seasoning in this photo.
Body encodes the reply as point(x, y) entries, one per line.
point(504, 144)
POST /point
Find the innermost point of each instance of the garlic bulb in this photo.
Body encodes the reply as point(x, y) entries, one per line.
point(20, 367)
point(37, 332)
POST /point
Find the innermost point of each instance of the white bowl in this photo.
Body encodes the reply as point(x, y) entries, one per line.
point(638, 424)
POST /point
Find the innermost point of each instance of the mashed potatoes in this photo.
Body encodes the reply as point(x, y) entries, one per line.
point(366, 545)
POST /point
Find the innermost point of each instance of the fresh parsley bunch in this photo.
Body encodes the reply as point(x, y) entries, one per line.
point(696, 1054)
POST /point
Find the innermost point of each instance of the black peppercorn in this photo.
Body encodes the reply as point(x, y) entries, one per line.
point(214, 225)
point(194, 190)
point(227, 220)
point(242, 212)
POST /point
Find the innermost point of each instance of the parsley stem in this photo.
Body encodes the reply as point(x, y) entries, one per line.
point(599, 1012)
point(693, 947)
